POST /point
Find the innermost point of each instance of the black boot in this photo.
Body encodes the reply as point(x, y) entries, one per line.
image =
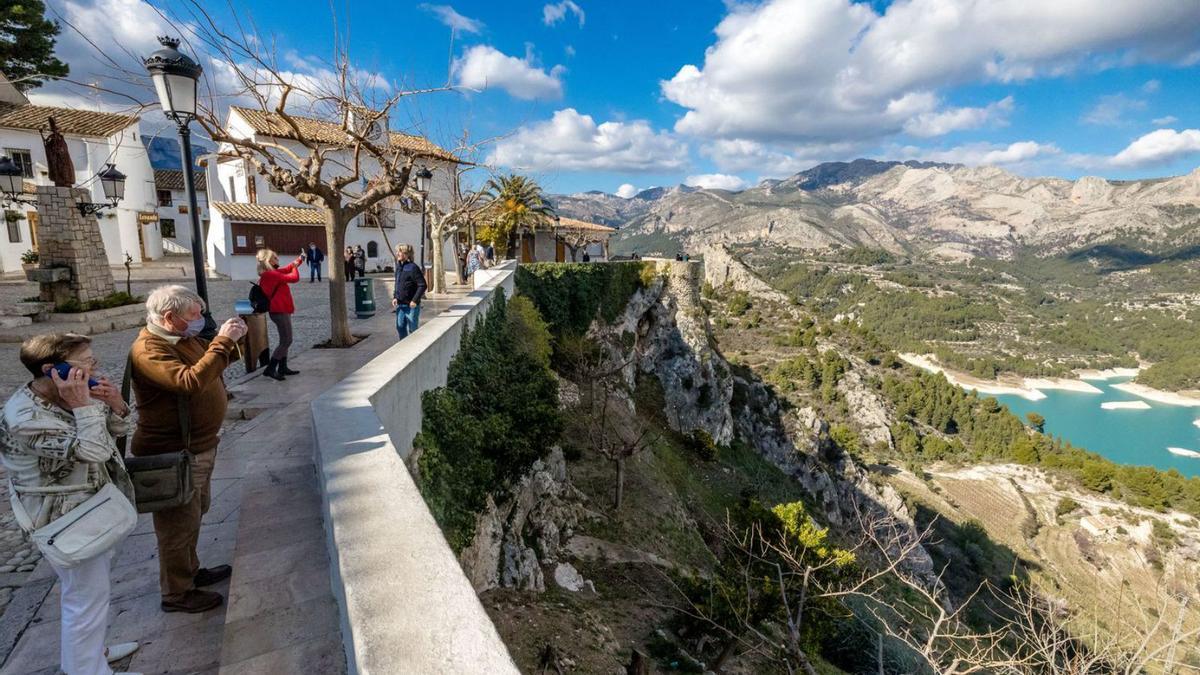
point(284, 369)
point(273, 372)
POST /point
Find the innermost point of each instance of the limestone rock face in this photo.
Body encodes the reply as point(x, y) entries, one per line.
point(868, 409)
point(529, 529)
point(663, 332)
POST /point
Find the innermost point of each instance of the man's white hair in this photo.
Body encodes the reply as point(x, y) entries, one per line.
point(174, 298)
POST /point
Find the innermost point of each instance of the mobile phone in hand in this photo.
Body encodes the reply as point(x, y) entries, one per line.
point(64, 369)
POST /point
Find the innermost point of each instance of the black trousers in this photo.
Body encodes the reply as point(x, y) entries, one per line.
point(283, 323)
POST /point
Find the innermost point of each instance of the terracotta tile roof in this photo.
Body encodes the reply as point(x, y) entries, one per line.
point(584, 226)
point(74, 122)
point(172, 179)
point(330, 132)
point(269, 213)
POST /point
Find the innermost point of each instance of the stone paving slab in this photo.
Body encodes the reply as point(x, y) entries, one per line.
point(265, 520)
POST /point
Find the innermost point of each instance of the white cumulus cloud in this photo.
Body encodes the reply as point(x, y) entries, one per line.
point(985, 154)
point(943, 122)
point(484, 66)
point(457, 22)
point(1158, 147)
point(835, 70)
point(554, 12)
point(626, 191)
point(570, 141)
point(716, 181)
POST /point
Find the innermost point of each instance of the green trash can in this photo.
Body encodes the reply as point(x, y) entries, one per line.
point(364, 298)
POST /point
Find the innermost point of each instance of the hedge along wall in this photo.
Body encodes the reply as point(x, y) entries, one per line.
point(570, 296)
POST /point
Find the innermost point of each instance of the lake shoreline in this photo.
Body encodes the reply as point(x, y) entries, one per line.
point(1029, 388)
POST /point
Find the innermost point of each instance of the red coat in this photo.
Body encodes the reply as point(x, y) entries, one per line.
point(275, 284)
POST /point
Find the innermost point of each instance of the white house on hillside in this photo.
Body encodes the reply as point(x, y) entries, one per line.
point(174, 221)
point(93, 139)
point(247, 214)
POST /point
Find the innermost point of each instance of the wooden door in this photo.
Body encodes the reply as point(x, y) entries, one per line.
point(526, 249)
point(560, 251)
point(31, 217)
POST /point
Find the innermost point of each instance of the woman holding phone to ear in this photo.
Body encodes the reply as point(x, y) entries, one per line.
point(57, 443)
point(274, 281)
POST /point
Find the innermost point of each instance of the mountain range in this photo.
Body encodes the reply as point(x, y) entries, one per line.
point(940, 211)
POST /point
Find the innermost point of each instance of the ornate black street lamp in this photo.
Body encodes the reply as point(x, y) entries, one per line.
point(113, 184)
point(175, 78)
point(423, 175)
point(12, 182)
point(12, 187)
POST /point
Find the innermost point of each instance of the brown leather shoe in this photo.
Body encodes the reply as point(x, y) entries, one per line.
point(194, 602)
point(207, 576)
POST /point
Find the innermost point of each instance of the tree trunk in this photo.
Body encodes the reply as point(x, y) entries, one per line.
point(620, 488)
point(339, 314)
point(437, 245)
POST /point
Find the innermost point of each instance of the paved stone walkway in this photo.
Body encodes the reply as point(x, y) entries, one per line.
point(280, 616)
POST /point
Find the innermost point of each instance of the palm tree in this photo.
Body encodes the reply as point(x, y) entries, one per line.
point(516, 205)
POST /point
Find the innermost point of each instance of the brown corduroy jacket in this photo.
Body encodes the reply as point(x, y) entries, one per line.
point(166, 368)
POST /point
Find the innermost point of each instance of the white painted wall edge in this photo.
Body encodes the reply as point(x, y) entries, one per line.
point(405, 605)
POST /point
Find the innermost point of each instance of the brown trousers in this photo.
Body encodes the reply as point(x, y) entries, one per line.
point(178, 530)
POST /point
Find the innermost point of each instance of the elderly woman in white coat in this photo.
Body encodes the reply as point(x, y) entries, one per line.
point(58, 449)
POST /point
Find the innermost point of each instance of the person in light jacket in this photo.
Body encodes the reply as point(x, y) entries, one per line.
point(55, 432)
point(410, 288)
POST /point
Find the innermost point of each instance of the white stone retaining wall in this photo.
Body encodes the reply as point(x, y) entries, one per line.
point(405, 605)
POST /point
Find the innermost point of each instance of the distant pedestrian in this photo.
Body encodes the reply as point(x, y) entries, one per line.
point(490, 254)
point(462, 263)
point(474, 260)
point(360, 260)
point(587, 257)
point(678, 257)
point(274, 282)
point(349, 267)
point(172, 370)
point(686, 257)
point(410, 288)
point(315, 257)
point(58, 449)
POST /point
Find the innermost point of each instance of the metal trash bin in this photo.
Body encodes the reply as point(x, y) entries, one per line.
point(364, 298)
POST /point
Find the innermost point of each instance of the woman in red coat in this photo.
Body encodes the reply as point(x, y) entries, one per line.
point(274, 282)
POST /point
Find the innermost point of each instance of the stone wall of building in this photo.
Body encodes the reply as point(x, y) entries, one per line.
point(67, 238)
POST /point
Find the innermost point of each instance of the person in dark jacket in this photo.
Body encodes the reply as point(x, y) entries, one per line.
point(315, 257)
point(349, 264)
point(410, 288)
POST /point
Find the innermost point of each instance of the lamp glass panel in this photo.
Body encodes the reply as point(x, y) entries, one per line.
point(164, 94)
point(11, 185)
point(183, 94)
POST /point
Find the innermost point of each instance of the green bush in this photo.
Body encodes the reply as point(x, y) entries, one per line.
point(497, 414)
point(1065, 505)
point(570, 296)
point(739, 303)
point(701, 444)
point(118, 299)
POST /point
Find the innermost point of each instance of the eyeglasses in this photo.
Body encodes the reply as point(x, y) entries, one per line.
point(89, 364)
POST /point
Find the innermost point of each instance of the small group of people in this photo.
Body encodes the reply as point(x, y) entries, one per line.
point(58, 444)
point(472, 257)
point(355, 262)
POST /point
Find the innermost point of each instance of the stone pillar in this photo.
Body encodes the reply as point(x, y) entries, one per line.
point(66, 238)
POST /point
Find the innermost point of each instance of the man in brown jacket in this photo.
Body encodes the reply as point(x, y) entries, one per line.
point(169, 363)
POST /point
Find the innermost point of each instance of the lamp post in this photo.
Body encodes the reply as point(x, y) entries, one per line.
point(423, 177)
point(12, 187)
point(175, 77)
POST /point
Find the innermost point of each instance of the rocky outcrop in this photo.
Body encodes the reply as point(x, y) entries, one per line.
point(722, 269)
point(868, 409)
point(514, 540)
point(663, 333)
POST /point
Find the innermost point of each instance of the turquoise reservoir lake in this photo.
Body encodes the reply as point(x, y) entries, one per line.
point(1138, 437)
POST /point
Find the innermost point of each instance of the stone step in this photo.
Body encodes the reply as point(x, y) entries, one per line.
point(14, 321)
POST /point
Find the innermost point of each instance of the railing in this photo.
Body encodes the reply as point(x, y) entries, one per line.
point(405, 605)
point(171, 246)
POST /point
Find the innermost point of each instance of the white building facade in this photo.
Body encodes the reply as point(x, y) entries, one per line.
point(94, 139)
point(174, 219)
point(247, 214)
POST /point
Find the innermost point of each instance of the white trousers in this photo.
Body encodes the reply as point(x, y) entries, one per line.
point(85, 594)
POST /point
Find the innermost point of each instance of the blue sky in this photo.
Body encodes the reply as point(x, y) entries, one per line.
point(596, 95)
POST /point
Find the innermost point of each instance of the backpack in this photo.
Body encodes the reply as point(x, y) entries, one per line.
point(259, 300)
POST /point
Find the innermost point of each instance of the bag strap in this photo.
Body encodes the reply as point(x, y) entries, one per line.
point(126, 384)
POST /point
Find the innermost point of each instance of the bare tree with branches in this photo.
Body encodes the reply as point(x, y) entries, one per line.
point(445, 222)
